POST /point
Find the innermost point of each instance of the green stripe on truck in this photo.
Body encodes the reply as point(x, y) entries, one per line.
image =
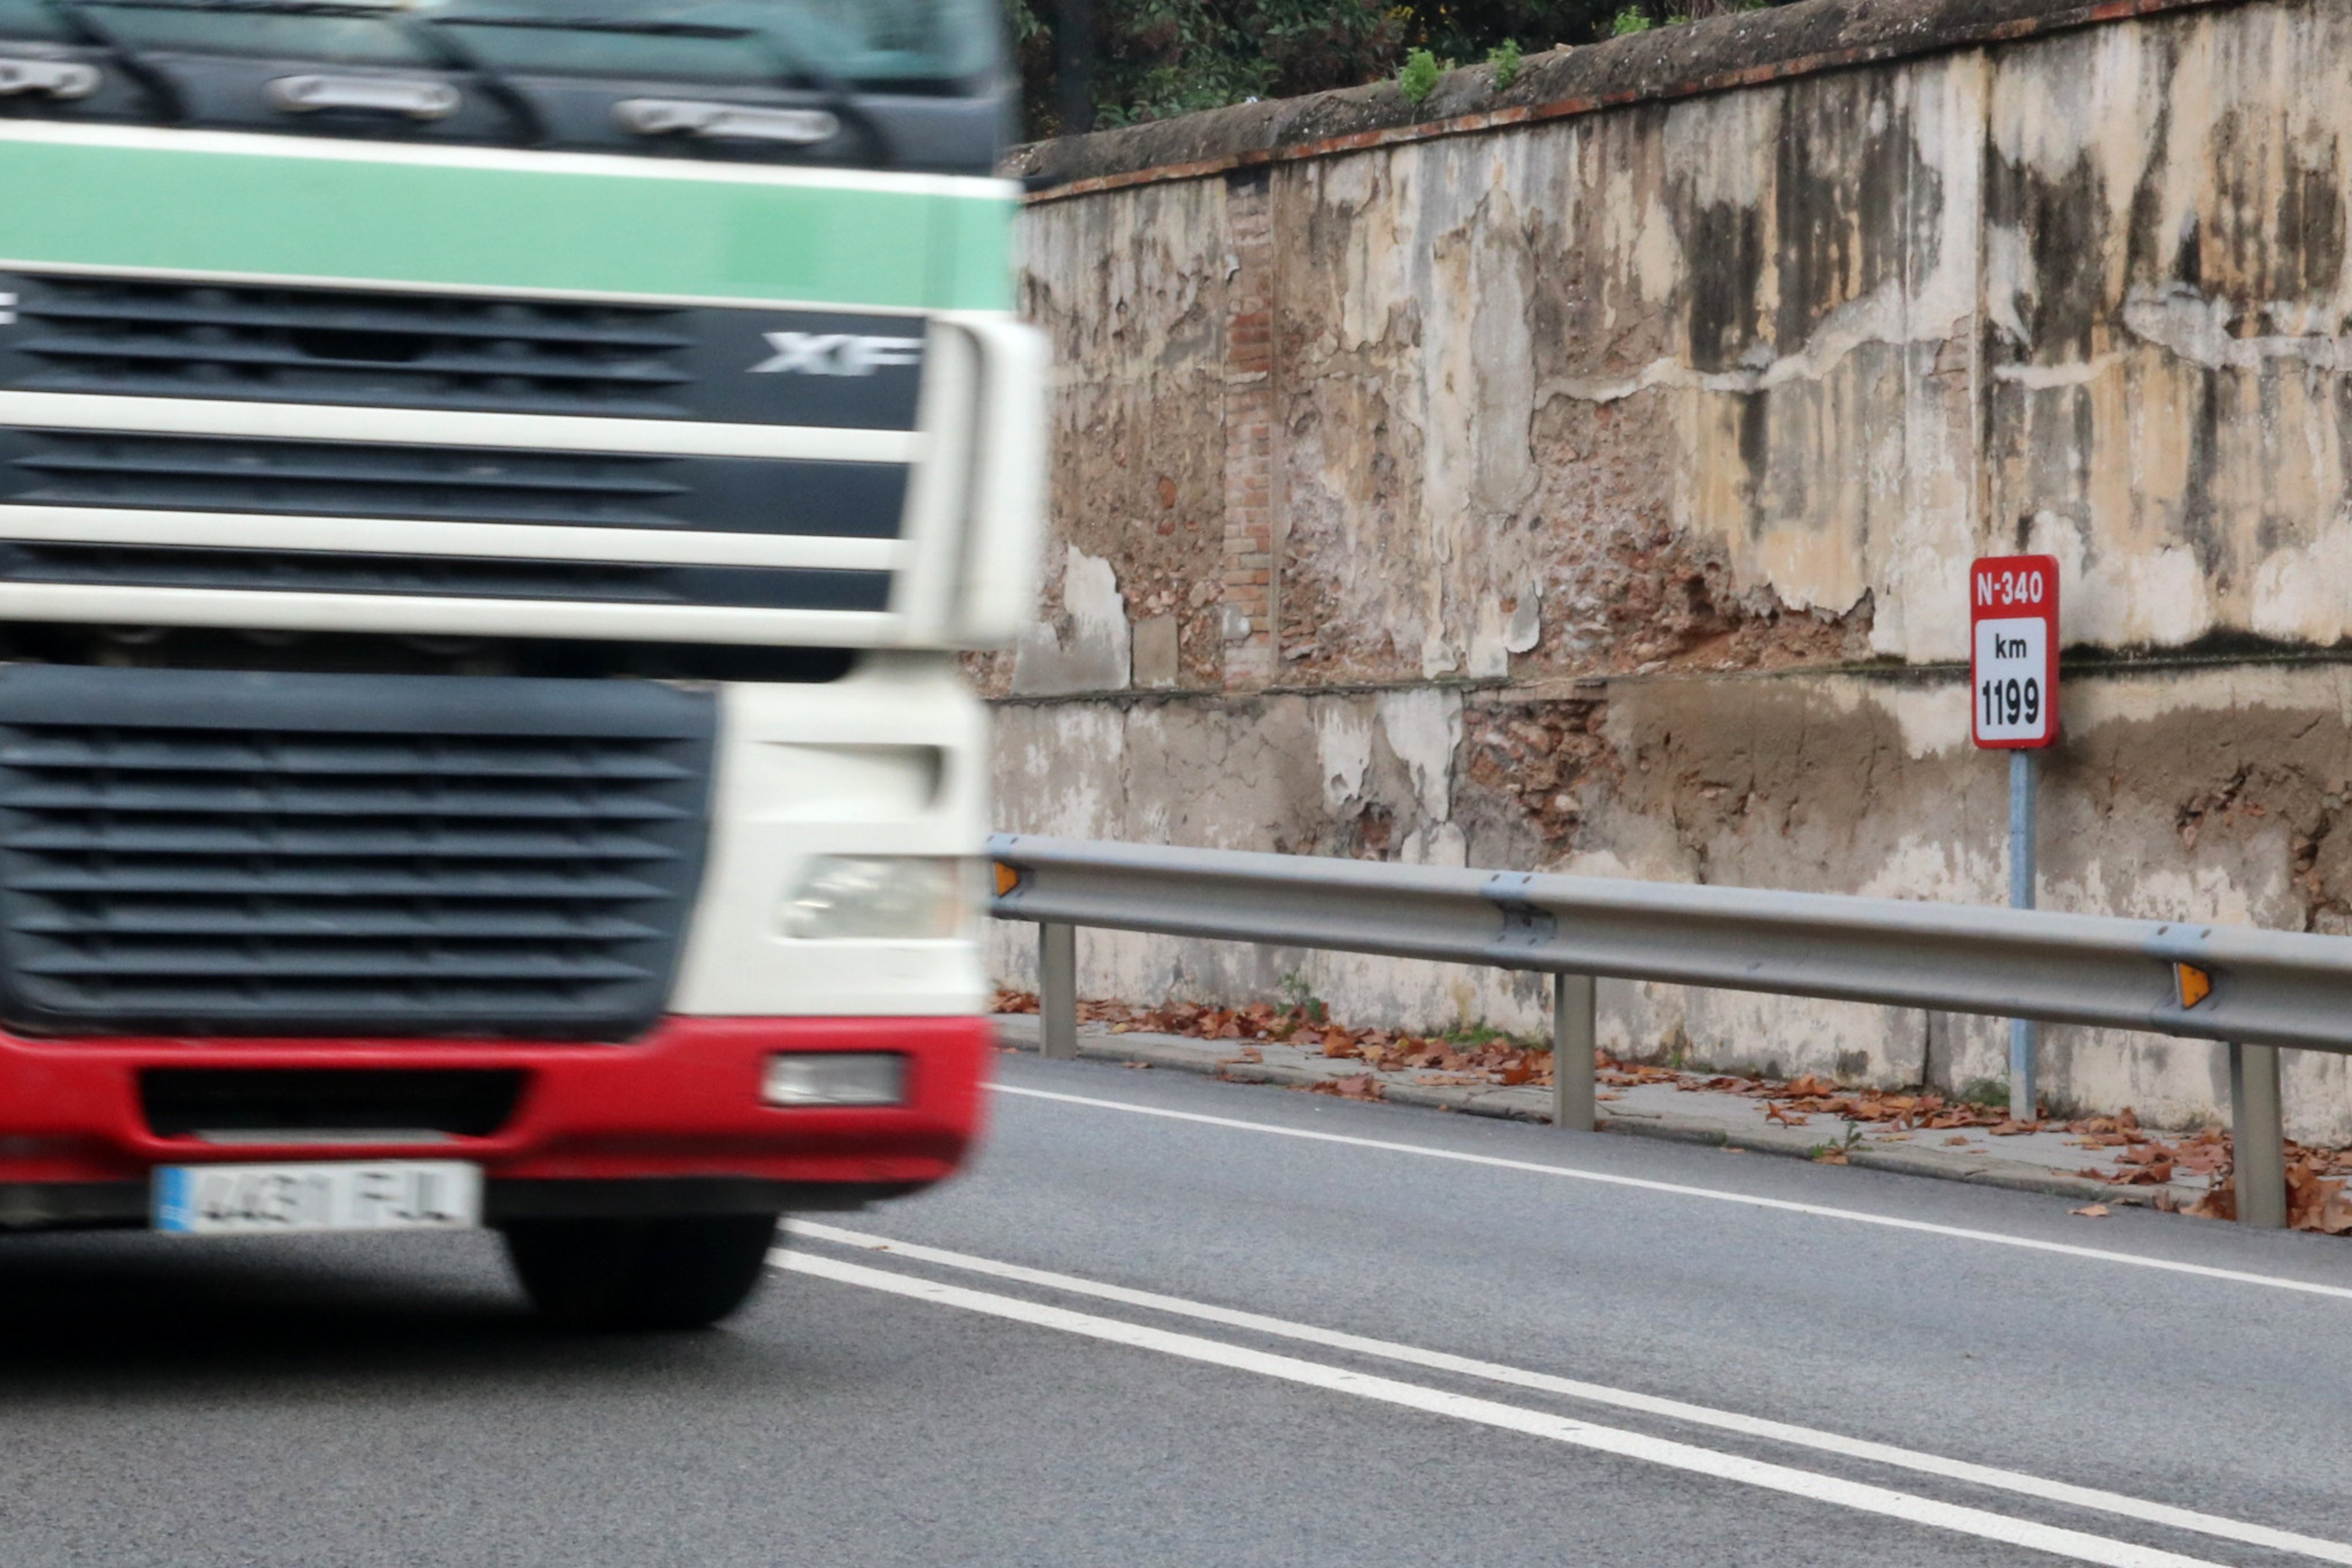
point(209, 202)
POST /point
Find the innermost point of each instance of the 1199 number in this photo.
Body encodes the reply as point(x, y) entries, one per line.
point(2010, 703)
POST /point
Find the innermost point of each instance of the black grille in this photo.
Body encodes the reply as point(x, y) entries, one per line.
point(441, 576)
point(228, 1102)
point(307, 479)
point(205, 852)
point(394, 349)
point(138, 470)
point(390, 349)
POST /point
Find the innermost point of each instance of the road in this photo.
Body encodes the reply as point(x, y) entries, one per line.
point(1168, 1321)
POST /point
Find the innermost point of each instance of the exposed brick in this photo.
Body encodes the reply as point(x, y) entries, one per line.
point(1248, 565)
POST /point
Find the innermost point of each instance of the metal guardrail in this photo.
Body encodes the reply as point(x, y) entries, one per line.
point(2256, 991)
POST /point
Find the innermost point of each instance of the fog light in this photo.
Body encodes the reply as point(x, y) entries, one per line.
point(878, 897)
point(836, 1078)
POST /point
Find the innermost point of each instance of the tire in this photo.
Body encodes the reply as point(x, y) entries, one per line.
point(681, 1272)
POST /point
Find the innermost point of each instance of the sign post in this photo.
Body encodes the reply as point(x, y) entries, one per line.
point(2013, 685)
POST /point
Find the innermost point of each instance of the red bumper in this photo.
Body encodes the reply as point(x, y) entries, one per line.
point(682, 1102)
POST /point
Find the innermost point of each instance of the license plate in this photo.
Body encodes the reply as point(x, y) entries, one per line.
point(279, 1199)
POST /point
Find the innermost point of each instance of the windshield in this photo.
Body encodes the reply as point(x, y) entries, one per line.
point(924, 46)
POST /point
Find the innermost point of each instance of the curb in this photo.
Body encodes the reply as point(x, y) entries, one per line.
point(1214, 1058)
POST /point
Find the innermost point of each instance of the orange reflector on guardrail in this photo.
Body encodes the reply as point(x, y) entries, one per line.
point(2194, 983)
point(1007, 879)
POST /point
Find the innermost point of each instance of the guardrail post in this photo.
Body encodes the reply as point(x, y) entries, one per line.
point(2259, 1135)
point(1058, 990)
point(1572, 1043)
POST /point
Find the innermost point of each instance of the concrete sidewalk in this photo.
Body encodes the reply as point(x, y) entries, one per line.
point(2045, 1162)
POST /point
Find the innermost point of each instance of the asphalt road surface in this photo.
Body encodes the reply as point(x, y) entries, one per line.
point(1174, 1321)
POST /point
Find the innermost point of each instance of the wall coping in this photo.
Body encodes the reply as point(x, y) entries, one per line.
point(1723, 53)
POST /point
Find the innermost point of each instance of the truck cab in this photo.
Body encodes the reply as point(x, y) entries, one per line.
point(492, 495)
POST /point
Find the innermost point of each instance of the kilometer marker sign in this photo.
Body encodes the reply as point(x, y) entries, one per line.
point(2013, 650)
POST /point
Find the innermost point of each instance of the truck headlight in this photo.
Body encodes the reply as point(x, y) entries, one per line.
point(836, 1077)
point(877, 898)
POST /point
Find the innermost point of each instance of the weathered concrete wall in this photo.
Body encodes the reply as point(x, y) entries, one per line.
point(1596, 492)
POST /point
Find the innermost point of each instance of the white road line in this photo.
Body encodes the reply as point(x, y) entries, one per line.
point(1601, 1393)
point(1785, 1205)
point(1687, 1457)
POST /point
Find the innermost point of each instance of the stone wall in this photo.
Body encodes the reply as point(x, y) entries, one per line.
point(1583, 477)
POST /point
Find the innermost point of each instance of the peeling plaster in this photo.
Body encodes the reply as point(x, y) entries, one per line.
point(1343, 745)
point(1423, 727)
point(2195, 328)
point(2304, 594)
point(1526, 627)
point(1881, 320)
point(1093, 653)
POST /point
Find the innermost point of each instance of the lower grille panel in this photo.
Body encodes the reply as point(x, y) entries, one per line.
point(460, 1102)
point(209, 852)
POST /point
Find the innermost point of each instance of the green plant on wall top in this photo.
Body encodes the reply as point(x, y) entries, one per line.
point(1419, 77)
point(1631, 19)
point(1504, 58)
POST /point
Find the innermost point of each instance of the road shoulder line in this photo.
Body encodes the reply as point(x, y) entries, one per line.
point(1681, 1189)
point(1218, 1059)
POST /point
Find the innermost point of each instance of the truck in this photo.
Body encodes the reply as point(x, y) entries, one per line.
point(497, 495)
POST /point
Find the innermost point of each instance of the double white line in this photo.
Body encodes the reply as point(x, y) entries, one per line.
point(1983, 1523)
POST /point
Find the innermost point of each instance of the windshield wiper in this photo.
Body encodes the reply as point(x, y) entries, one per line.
point(785, 63)
point(453, 53)
point(125, 54)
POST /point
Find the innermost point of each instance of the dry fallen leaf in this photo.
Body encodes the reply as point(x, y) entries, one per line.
point(2091, 1211)
point(2220, 1201)
point(1955, 1140)
point(2315, 1204)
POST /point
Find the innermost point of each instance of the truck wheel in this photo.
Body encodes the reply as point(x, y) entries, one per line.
point(681, 1272)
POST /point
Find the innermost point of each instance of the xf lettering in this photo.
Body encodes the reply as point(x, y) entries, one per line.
point(836, 353)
